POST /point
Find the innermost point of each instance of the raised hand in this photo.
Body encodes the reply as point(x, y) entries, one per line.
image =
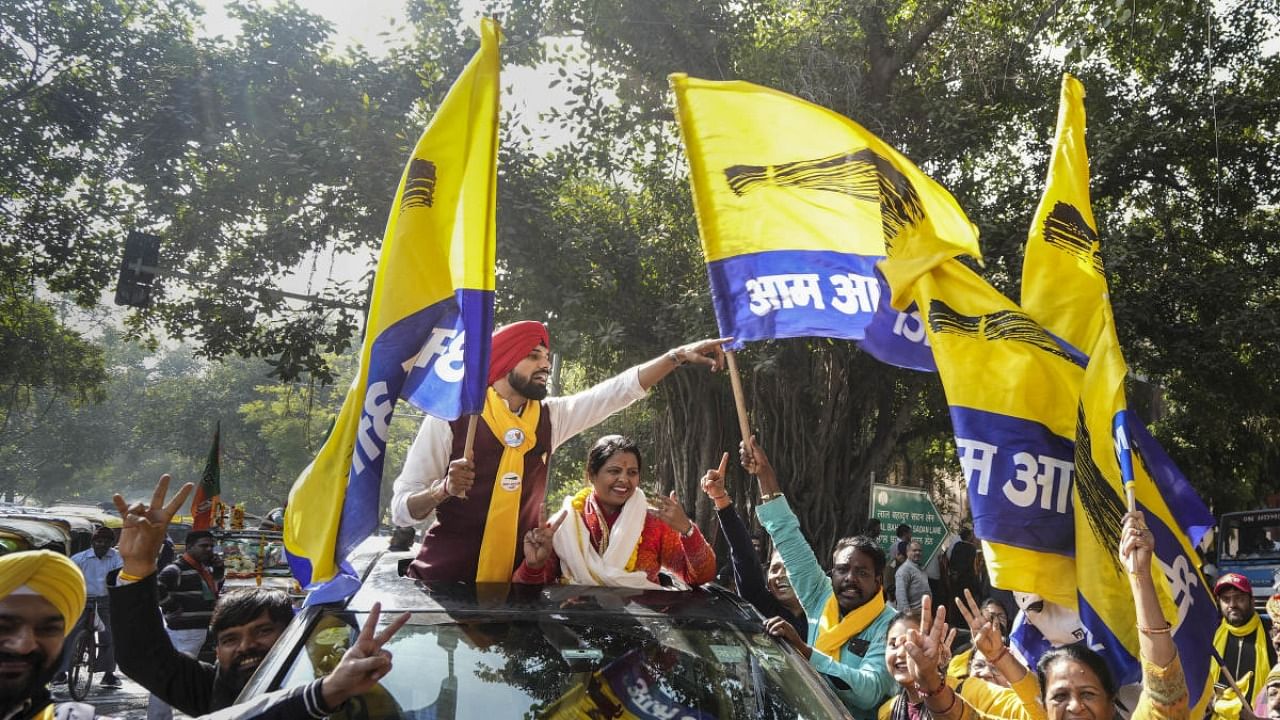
point(925, 647)
point(713, 483)
point(669, 511)
point(364, 663)
point(705, 352)
point(1136, 544)
point(145, 525)
point(755, 461)
point(987, 636)
point(538, 541)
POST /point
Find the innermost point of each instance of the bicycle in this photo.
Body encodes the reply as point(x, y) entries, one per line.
point(84, 655)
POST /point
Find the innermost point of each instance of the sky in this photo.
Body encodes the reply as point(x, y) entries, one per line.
point(526, 91)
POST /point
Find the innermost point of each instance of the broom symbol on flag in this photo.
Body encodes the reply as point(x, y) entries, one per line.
point(863, 175)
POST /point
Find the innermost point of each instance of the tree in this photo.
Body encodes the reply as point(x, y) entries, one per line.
point(967, 91)
point(249, 157)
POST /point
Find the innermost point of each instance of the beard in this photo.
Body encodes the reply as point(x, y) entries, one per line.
point(15, 690)
point(526, 386)
point(240, 675)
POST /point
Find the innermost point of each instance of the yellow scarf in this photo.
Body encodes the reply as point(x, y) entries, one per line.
point(502, 524)
point(1260, 641)
point(833, 632)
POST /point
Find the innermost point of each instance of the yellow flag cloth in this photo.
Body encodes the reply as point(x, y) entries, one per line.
point(1013, 394)
point(426, 334)
point(771, 171)
point(1062, 277)
point(833, 632)
point(795, 205)
point(54, 577)
point(1064, 289)
point(502, 524)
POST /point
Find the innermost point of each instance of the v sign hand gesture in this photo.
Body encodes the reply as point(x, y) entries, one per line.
point(538, 541)
point(145, 525)
point(364, 663)
point(927, 647)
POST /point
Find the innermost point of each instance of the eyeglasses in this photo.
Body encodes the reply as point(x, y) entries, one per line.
point(996, 619)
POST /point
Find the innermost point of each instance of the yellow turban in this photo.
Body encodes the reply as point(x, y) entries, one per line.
point(54, 577)
point(1273, 677)
point(1273, 608)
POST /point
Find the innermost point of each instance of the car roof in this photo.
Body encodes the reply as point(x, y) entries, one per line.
point(383, 582)
point(247, 534)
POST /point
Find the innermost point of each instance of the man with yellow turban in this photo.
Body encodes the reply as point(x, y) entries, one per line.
point(41, 597)
point(484, 504)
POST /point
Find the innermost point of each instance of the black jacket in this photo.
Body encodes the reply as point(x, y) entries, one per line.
point(145, 653)
point(35, 704)
point(298, 703)
point(185, 599)
point(748, 574)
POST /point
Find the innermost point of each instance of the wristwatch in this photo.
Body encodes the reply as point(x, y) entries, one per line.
point(674, 357)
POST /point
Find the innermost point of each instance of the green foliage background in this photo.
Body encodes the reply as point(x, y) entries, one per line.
point(251, 154)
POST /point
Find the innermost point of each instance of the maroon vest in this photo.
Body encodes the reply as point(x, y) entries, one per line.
point(451, 548)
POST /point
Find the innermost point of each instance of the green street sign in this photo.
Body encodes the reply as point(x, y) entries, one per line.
point(893, 505)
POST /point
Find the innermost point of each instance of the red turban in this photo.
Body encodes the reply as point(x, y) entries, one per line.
point(513, 343)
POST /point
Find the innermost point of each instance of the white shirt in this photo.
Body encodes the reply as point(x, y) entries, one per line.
point(428, 458)
point(95, 569)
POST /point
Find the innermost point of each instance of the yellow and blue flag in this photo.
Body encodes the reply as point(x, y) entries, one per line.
point(1064, 286)
point(796, 204)
point(1012, 390)
point(427, 334)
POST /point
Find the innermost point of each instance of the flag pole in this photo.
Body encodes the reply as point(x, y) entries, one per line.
point(739, 399)
point(467, 452)
point(1231, 679)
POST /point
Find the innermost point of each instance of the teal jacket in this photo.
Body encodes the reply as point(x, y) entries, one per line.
point(861, 681)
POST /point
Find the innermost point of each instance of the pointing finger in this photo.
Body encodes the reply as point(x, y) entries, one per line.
point(121, 506)
point(724, 465)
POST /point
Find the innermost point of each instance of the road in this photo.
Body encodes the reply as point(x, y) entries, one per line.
point(128, 702)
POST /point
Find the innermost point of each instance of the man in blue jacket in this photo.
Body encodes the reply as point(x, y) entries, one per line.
point(848, 617)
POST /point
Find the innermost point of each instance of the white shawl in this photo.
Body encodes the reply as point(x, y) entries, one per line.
point(581, 564)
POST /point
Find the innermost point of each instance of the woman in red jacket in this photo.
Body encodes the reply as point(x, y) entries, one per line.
point(608, 534)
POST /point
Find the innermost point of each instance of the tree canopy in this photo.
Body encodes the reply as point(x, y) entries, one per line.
point(253, 155)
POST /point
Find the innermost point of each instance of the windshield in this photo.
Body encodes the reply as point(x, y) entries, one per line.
point(1249, 536)
point(500, 667)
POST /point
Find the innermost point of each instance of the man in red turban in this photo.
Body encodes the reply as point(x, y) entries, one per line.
point(484, 505)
